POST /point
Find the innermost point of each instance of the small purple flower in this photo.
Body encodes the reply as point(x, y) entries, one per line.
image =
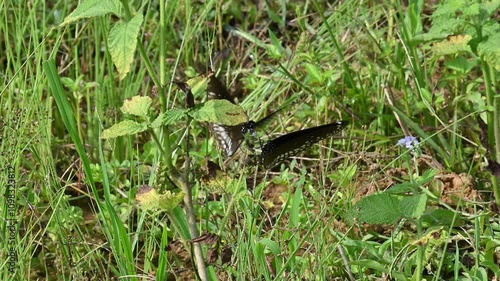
point(409, 142)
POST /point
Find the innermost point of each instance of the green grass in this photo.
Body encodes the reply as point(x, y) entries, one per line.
point(77, 206)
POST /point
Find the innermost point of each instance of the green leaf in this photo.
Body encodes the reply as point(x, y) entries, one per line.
point(490, 7)
point(295, 208)
point(453, 45)
point(365, 263)
point(221, 112)
point(271, 245)
point(169, 117)
point(138, 106)
point(198, 85)
point(400, 188)
point(413, 206)
point(427, 176)
point(449, 8)
point(314, 73)
point(380, 208)
point(377, 265)
point(122, 42)
point(247, 36)
point(275, 49)
point(461, 64)
point(93, 8)
point(489, 50)
point(158, 121)
point(441, 217)
point(173, 115)
point(179, 217)
point(149, 199)
point(127, 127)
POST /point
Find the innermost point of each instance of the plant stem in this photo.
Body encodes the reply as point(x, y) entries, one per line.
point(190, 212)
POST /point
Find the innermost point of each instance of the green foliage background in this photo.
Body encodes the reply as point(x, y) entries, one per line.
point(91, 122)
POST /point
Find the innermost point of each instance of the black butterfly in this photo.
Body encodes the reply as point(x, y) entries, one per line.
point(230, 138)
point(277, 150)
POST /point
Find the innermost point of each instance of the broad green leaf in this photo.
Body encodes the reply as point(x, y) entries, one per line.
point(380, 208)
point(122, 42)
point(400, 188)
point(461, 64)
point(489, 50)
point(138, 106)
point(93, 8)
point(441, 217)
point(169, 117)
point(490, 7)
point(127, 127)
point(158, 121)
point(413, 206)
point(221, 112)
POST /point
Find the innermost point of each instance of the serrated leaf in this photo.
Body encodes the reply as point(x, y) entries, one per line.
point(448, 9)
point(173, 115)
point(443, 27)
point(439, 217)
point(490, 7)
point(149, 199)
point(93, 8)
point(127, 127)
point(122, 42)
point(400, 188)
point(158, 122)
point(222, 184)
point(137, 105)
point(472, 9)
point(220, 112)
point(413, 206)
point(489, 50)
point(380, 208)
point(461, 64)
point(453, 45)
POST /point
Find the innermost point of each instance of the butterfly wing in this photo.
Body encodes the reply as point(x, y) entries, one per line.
point(229, 138)
point(288, 145)
point(217, 90)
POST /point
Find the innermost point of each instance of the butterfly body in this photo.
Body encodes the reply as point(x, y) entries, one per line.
point(277, 150)
point(248, 127)
point(230, 138)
